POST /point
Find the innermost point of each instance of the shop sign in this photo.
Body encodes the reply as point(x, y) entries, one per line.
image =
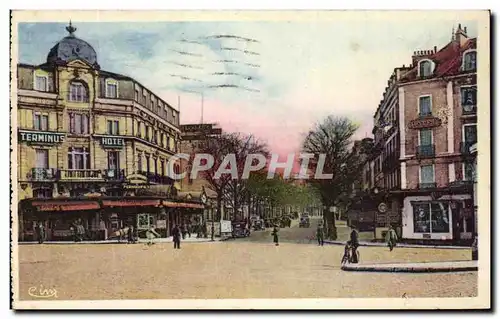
point(112, 141)
point(32, 137)
point(427, 122)
point(136, 181)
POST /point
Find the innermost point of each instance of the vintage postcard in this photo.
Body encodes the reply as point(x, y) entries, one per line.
point(250, 160)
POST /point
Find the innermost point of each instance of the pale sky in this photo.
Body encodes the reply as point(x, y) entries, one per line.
point(296, 74)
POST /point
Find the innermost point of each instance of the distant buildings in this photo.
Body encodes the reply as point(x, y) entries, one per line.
point(421, 165)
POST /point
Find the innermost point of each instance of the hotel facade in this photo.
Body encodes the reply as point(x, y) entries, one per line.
point(422, 165)
point(93, 148)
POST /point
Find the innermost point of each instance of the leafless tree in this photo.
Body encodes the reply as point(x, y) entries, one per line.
point(333, 137)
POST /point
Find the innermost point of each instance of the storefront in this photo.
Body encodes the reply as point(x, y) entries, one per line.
point(58, 218)
point(438, 216)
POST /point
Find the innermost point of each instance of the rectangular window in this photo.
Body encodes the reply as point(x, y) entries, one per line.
point(431, 217)
point(470, 133)
point(148, 135)
point(42, 159)
point(162, 167)
point(156, 165)
point(427, 174)
point(40, 122)
point(468, 98)
point(159, 108)
point(148, 168)
point(114, 160)
point(79, 123)
point(470, 61)
point(139, 161)
point(152, 103)
point(424, 105)
point(144, 98)
point(162, 142)
point(425, 137)
point(469, 171)
point(155, 137)
point(111, 90)
point(137, 95)
point(113, 127)
point(168, 142)
point(139, 128)
point(41, 83)
point(78, 158)
point(77, 92)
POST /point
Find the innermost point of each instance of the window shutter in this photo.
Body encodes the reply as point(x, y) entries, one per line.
point(102, 87)
point(50, 84)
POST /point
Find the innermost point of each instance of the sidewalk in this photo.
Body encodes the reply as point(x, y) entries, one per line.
point(400, 245)
point(448, 266)
point(193, 239)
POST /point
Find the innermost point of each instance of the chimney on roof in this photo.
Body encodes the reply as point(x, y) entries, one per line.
point(461, 35)
point(435, 49)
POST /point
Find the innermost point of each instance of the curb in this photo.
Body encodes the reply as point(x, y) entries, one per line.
point(409, 269)
point(369, 244)
point(110, 242)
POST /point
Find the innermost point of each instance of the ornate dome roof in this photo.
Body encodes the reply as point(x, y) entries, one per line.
point(72, 48)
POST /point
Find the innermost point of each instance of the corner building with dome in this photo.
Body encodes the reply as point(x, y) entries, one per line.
point(92, 149)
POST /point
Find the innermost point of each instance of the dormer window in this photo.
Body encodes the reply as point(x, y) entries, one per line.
point(425, 68)
point(469, 62)
point(111, 89)
point(41, 83)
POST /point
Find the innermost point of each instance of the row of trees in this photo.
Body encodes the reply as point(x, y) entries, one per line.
point(331, 137)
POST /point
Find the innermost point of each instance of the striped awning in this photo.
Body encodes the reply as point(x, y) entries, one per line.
point(65, 206)
point(182, 205)
point(130, 202)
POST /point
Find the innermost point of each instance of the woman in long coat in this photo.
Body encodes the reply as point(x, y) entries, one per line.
point(275, 236)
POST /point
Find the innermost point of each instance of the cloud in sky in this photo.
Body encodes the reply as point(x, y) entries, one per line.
point(294, 75)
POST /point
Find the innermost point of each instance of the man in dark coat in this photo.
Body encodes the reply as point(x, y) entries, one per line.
point(40, 229)
point(320, 236)
point(275, 236)
point(354, 245)
point(176, 233)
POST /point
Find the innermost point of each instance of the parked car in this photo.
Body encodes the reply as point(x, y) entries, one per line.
point(240, 230)
point(304, 222)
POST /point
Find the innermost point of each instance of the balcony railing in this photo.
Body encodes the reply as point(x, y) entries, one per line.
point(427, 185)
point(80, 174)
point(114, 174)
point(157, 178)
point(465, 147)
point(424, 115)
point(469, 109)
point(42, 174)
point(425, 151)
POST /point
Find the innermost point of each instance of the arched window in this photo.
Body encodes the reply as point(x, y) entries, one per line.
point(425, 68)
point(78, 92)
point(469, 63)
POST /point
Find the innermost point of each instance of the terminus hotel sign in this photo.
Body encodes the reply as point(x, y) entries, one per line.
point(38, 137)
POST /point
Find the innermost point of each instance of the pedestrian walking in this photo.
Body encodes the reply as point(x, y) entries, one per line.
point(131, 238)
point(40, 229)
point(189, 229)
point(176, 234)
point(320, 236)
point(151, 234)
point(391, 238)
point(275, 235)
point(354, 243)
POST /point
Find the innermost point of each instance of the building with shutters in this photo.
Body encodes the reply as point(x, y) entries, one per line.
point(92, 147)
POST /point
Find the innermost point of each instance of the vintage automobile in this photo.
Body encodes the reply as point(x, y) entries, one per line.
point(258, 225)
point(304, 221)
point(240, 230)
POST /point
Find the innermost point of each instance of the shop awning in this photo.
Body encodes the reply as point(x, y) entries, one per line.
point(182, 205)
point(65, 206)
point(130, 202)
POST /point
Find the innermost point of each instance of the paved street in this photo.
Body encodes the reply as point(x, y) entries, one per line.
point(242, 268)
